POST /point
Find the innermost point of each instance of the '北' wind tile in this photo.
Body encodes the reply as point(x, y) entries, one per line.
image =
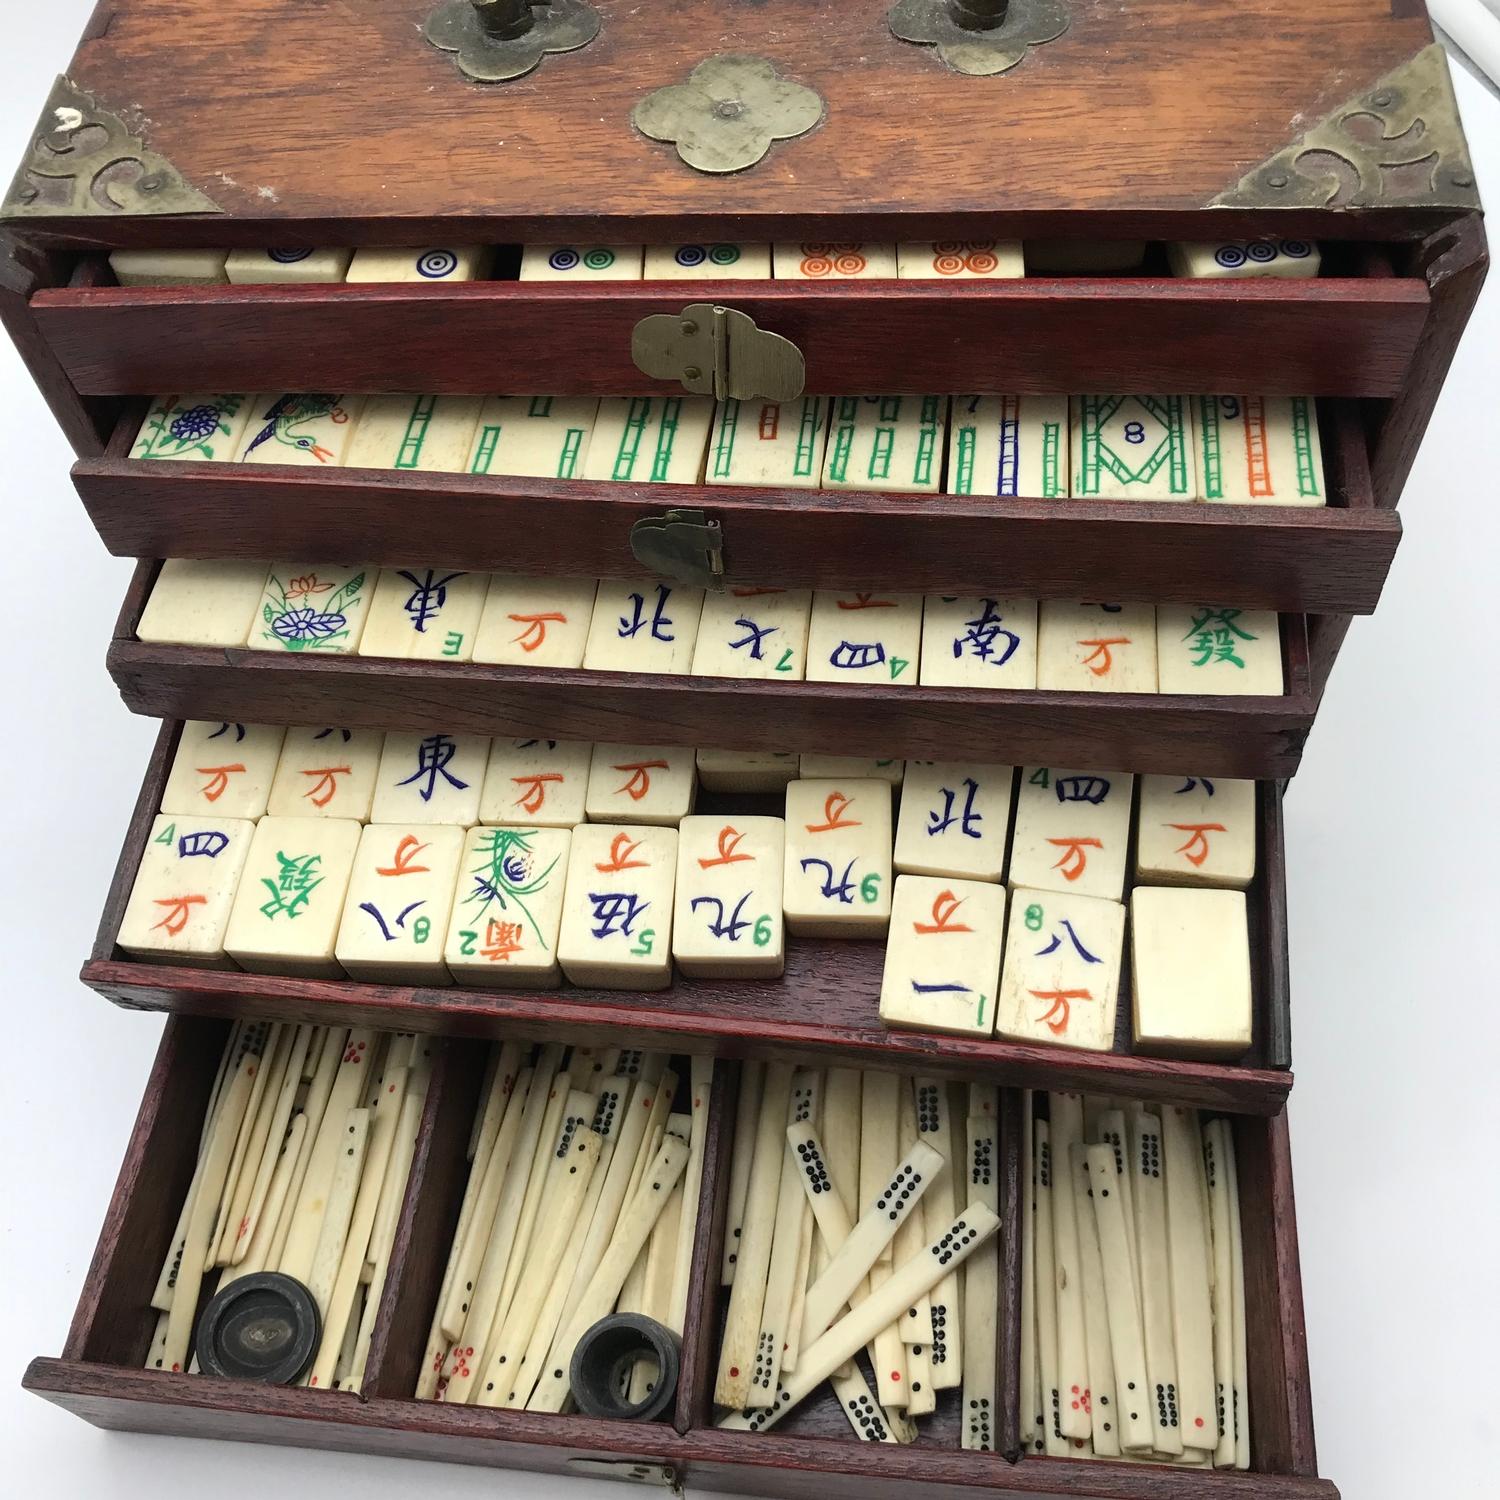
point(960, 260)
point(423, 434)
point(537, 437)
point(753, 633)
point(286, 267)
point(195, 603)
point(310, 430)
point(616, 928)
point(536, 783)
point(1259, 450)
point(1072, 828)
point(978, 643)
point(312, 607)
point(838, 858)
point(1133, 448)
point(650, 439)
point(222, 769)
point(1222, 259)
point(582, 262)
point(942, 958)
point(535, 622)
point(1009, 445)
point(887, 443)
point(508, 908)
point(728, 920)
point(430, 778)
point(424, 614)
point(1096, 648)
point(326, 773)
point(1195, 830)
point(194, 429)
point(643, 627)
point(768, 443)
point(855, 637)
point(640, 784)
point(728, 261)
point(843, 261)
point(1201, 648)
point(374, 263)
point(954, 820)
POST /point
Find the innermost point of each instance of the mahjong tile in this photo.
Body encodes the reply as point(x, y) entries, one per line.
point(1082, 257)
point(1241, 258)
point(769, 443)
point(978, 643)
point(195, 429)
point(1190, 971)
point(471, 263)
point(1203, 649)
point(1133, 448)
point(310, 430)
point(1195, 830)
point(955, 820)
point(854, 637)
point(729, 262)
point(397, 907)
point(1259, 450)
point(169, 267)
point(643, 627)
point(1071, 831)
point(429, 434)
point(291, 896)
point(286, 267)
point(616, 930)
point(834, 262)
point(536, 783)
point(727, 923)
point(838, 858)
point(1061, 978)
point(535, 622)
point(650, 439)
point(942, 958)
point(1096, 648)
point(222, 769)
point(327, 773)
point(508, 908)
point(753, 633)
point(196, 603)
point(1009, 445)
point(745, 770)
point(537, 437)
point(960, 260)
point(640, 784)
point(815, 767)
point(430, 778)
point(886, 443)
point(424, 614)
point(312, 607)
point(184, 889)
point(581, 263)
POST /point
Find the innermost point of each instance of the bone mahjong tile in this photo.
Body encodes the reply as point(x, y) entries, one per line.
point(640, 784)
point(643, 627)
point(616, 930)
point(309, 430)
point(855, 637)
point(1009, 445)
point(326, 773)
point(886, 443)
point(1072, 828)
point(1259, 450)
point(960, 260)
point(942, 957)
point(195, 603)
point(813, 767)
point(1061, 977)
point(753, 633)
point(727, 262)
point(833, 262)
point(745, 770)
point(1133, 448)
point(424, 614)
point(184, 889)
point(222, 769)
point(286, 267)
point(291, 896)
point(312, 607)
point(535, 622)
point(838, 858)
point(430, 778)
point(1243, 258)
point(169, 267)
point(540, 437)
point(1096, 648)
point(650, 439)
point(1193, 830)
point(195, 429)
point(779, 444)
point(954, 820)
point(373, 263)
point(1190, 969)
point(428, 434)
point(978, 643)
point(727, 920)
point(536, 783)
point(1205, 649)
point(582, 262)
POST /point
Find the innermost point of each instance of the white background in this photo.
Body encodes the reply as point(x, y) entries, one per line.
point(1391, 830)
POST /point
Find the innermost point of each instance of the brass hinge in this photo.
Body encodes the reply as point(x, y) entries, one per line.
point(716, 351)
point(631, 1471)
point(683, 545)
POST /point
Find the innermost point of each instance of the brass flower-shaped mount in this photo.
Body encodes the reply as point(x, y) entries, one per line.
point(979, 39)
point(727, 114)
point(497, 40)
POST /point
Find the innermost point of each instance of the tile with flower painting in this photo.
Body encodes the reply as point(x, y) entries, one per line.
point(313, 607)
point(194, 429)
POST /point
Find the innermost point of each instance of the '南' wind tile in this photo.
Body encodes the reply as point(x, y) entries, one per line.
point(1204, 649)
point(960, 260)
point(1009, 445)
point(535, 622)
point(731, 262)
point(640, 784)
point(1259, 450)
point(311, 430)
point(942, 958)
point(1133, 448)
point(843, 261)
point(1195, 830)
point(855, 637)
point(374, 263)
point(582, 262)
point(424, 434)
point(769, 443)
point(643, 627)
point(195, 603)
point(536, 783)
point(222, 769)
point(194, 429)
point(537, 437)
point(1243, 258)
point(312, 607)
point(650, 439)
point(954, 821)
point(1071, 831)
point(326, 773)
point(1096, 648)
point(838, 858)
point(886, 443)
point(424, 614)
point(616, 928)
point(728, 919)
point(753, 633)
point(431, 778)
point(978, 643)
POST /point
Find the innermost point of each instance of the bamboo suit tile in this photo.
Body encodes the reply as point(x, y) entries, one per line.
point(1201, 648)
point(286, 267)
point(508, 907)
point(424, 434)
point(312, 607)
point(775, 444)
point(184, 889)
point(643, 627)
point(222, 769)
point(1190, 965)
point(960, 260)
point(838, 858)
point(535, 622)
point(581, 263)
point(954, 821)
point(310, 430)
point(834, 262)
point(1193, 830)
point(650, 439)
point(1259, 450)
point(327, 773)
point(745, 770)
point(1009, 445)
point(291, 896)
point(616, 928)
point(727, 922)
point(1072, 828)
point(194, 429)
point(430, 778)
point(425, 614)
point(1243, 258)
point(886, 443)
point(1133, 448)
point(376, 264)
point(1096, 648)
point(640, 784)
point(169, 267)
point(942, 958)
point(729, 262)
point(536, 783)
point(978, 643)
point(854, 637)
point(538, 437)
point(812, 767)
point(754, 633)
point(196, 603)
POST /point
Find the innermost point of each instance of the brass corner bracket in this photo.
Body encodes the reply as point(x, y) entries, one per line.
point(979, 37)
point(497, 40)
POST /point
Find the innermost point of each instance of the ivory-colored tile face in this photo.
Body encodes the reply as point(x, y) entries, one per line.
point(304, 430)
point(425, 614)
point(194, 429)
point(1241, 258)
point(640, 784)
point(1071, 831)
point(643, 627)
point(812, 767)
point(327, 773)
point(470, 263)
point(1009, 445)
point(312, 607)
point(731, 262)
point(1190, 966)
point(886, 443)
point(400, 895)
point(581, 263)
point(184, 888)
point(1201, 648)
point(168, 267)
point(539, 437)
point(1082, 257)
point(942, 958)
point(222, 769)
point(650, 439)
point(291, 896)
point(1133, 448)
point(777, 444)
point(1193, 830)
point(286, 267)
point(430, 778)
point(535, 622)
point(838, 858)
point(429, 434)
point(1062, 969)
point(978, 643)
point(616, 928)
point(960, 260)
point(727, 923)
point(759, 633)
point(1096, 648)
point(202, 603)
point(536, 783)
point(834, 262)
point(745, 770)
point(508, 907)
point(955, 820)
point(872, 638)
point(1259, 450)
